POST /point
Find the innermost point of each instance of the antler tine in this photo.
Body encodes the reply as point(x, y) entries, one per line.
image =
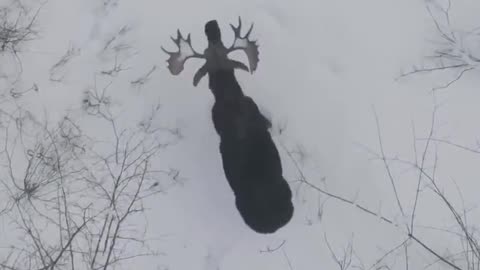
point(175, 40)
point(177, 59)
point(236, 30)
point(247, 35)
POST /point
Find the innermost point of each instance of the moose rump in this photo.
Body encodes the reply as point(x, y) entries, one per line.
point(262, 196)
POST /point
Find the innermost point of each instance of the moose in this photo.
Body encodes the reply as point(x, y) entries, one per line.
point(251, 161)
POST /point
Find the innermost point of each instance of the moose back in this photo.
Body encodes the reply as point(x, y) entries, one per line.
point(251, 161)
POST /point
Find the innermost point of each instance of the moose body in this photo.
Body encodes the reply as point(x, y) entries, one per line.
point(250, 159)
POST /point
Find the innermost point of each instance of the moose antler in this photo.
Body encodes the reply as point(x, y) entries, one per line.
point(216, 53)
point(250, 47)
point(177, 60)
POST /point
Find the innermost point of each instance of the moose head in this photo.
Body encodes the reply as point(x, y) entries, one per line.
point(216, 54)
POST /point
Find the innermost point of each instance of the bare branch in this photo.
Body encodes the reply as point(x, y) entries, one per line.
point(387, 167)
point(142, 80)
point(454, 53)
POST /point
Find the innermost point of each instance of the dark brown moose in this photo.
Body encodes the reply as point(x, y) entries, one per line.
point(251, 161)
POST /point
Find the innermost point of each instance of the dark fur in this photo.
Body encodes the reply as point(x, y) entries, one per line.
point(251, 161)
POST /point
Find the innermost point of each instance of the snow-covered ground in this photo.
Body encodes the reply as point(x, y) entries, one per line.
point(327, 70)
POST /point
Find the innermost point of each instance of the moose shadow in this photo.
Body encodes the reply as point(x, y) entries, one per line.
point(251, 161)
